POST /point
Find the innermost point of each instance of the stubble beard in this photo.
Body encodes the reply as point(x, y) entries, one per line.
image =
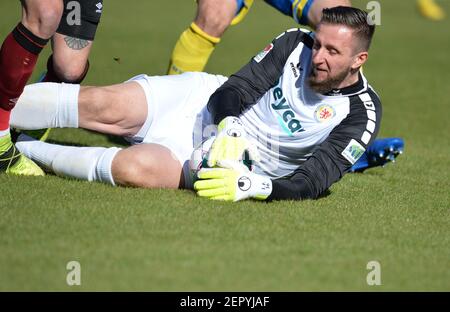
point(328, 84)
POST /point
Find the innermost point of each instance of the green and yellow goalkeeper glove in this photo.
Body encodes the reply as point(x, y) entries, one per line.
point(232, 184)
point(230, 144)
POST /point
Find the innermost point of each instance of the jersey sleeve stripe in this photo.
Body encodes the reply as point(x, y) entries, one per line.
point(366, 137)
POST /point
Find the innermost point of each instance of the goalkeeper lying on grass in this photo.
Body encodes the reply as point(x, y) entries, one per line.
point(302, 105)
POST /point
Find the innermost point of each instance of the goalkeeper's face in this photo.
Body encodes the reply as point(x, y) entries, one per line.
point(333, 58)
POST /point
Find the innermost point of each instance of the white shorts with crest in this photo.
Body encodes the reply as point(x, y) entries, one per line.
point(177, 116)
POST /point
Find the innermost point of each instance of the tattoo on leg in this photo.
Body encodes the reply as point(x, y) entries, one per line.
point(76, 43)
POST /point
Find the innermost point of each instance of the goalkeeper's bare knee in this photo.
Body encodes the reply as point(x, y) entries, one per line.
point(147, 166)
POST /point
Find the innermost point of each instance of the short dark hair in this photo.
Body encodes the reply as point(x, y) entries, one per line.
point(353, 18)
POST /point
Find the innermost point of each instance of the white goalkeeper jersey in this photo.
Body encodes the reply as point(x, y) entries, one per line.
point(290, 121)
point(299, 133)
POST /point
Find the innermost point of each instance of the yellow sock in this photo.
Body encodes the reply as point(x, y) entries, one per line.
point(192, 51)
point(430, 10)
point(242, 13)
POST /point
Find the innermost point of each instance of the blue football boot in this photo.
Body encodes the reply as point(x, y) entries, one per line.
point(379, 153)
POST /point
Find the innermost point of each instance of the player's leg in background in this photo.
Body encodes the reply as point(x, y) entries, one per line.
point(197, 42)
point(431, 10)
point(118, 109)
point(144, 165)
point(314, 13)
point(305, 12)
point(18, 57)
point(71, 45)
point(69, 62)
point(72, 42)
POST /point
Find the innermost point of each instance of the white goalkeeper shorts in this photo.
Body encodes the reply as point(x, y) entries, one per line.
point(177, 115)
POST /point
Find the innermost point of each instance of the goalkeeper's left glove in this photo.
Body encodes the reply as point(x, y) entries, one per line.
point(232, 184)
point(230, 144)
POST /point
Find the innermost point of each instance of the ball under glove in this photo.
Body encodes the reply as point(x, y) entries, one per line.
point(230, 144)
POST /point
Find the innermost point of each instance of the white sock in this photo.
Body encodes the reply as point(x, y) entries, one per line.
point(47, 105)
point(85, 163)
point(4, 132)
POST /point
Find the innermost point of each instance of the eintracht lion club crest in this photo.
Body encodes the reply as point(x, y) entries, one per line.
point(324, 113)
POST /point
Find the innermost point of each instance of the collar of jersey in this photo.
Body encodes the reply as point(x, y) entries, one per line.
point(357, 87)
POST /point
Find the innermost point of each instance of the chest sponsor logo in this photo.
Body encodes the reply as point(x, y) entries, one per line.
point(261, 55)
point(324, 113)
point(353, 151)
point(285, 115)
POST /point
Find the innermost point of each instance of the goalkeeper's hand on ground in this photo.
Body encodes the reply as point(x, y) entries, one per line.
point(230, 144)
point(232, 184)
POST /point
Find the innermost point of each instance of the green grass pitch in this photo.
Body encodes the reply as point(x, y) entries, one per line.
point(160, 240)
